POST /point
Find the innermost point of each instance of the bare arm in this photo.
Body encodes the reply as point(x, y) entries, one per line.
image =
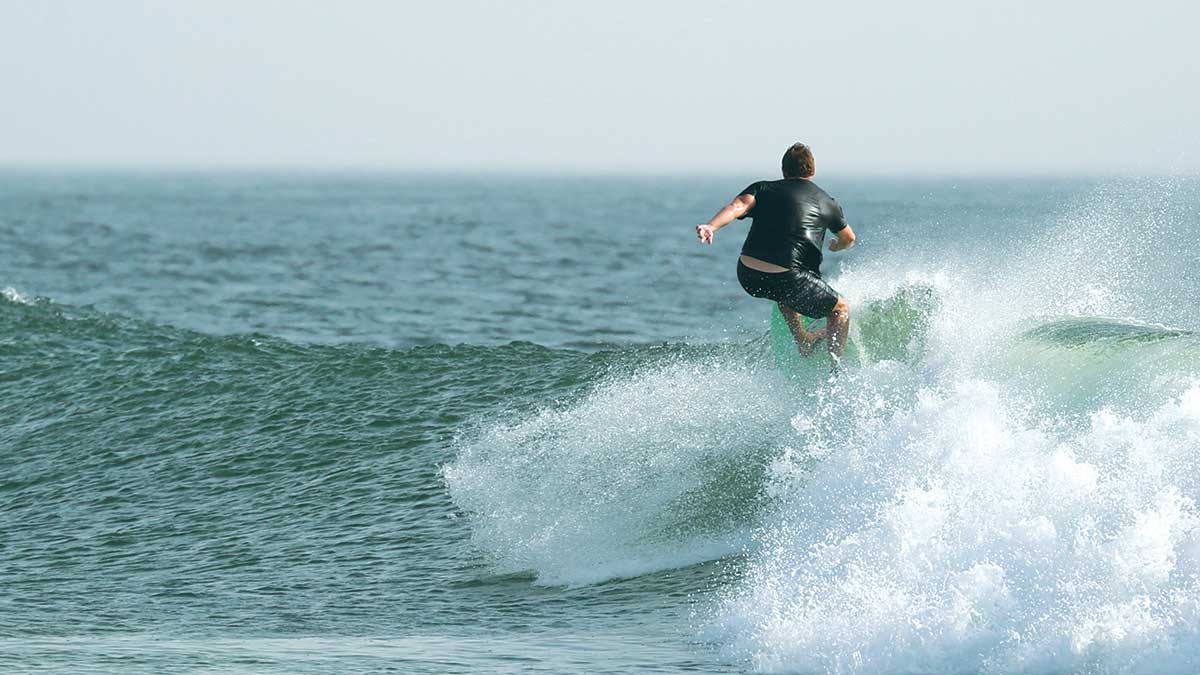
point(740, 206)
point(845, 239)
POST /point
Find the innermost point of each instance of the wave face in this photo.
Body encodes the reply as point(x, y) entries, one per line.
point(178, 483)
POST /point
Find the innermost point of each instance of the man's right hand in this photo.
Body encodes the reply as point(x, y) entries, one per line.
point(705, 232)
point(845, 239)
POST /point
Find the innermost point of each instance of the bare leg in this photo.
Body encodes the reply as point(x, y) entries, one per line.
point(837, 325)
point(804, 339)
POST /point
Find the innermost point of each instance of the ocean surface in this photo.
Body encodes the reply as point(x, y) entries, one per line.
point(305, 423)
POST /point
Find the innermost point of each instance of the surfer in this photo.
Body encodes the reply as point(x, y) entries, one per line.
point(781, 259)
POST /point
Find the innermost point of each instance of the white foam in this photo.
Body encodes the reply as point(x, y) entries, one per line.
point(12, 295)
point(640, 475)
point(963, 537)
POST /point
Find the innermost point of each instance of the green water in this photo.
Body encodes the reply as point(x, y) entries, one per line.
point(313, 424)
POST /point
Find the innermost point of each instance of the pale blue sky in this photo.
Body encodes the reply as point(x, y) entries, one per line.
point(937, 86)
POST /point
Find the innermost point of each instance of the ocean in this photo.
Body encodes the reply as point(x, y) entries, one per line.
point(357, 423)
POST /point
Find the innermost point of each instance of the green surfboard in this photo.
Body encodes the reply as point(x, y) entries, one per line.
point(788, 356)
point(893, 328)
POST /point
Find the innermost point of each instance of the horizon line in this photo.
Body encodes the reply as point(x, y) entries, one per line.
point(544, 171)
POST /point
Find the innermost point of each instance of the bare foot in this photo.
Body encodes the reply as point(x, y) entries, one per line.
point(806, 347)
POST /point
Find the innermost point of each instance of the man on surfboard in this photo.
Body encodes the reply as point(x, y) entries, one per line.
point(781, 259)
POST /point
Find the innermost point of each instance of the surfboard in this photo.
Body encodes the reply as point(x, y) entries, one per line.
point(893, 328)
point(788, 357)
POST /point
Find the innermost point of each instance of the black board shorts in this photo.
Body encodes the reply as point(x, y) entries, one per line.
point(799, 290)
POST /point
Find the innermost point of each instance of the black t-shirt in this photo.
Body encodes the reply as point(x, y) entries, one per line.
point(790, 219)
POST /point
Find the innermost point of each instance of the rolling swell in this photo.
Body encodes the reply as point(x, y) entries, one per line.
point(1078, 364)
point(231, 475)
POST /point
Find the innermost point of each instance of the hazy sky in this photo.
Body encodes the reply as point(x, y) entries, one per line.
point(879, 87)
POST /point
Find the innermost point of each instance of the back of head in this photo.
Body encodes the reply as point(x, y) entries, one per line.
point(798, 162)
